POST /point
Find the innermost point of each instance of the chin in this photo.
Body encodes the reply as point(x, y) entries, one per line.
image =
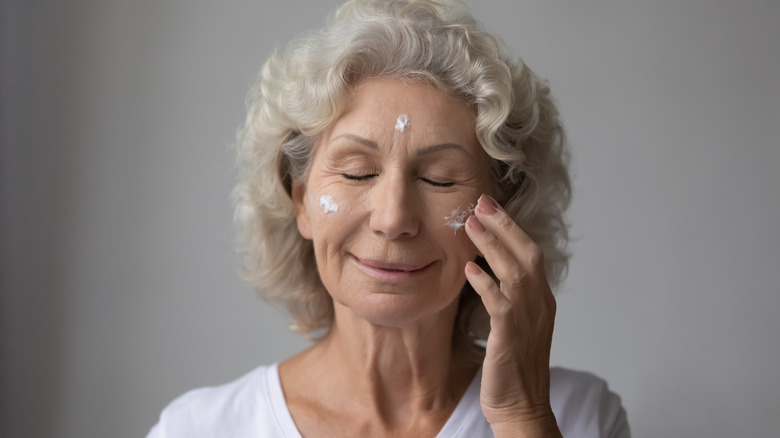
point(399, 310)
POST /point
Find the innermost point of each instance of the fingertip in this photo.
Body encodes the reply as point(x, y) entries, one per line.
point(474, 223)
point(473, 268)
point(487, 205)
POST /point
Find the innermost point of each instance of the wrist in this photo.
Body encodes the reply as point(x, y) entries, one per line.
point(539, 427)
point(536, 423)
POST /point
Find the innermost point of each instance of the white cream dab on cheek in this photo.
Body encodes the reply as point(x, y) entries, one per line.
point(328, 205)
point(402, 123)
point(457, 218)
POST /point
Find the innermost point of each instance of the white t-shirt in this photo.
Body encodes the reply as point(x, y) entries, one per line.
point(254, 406)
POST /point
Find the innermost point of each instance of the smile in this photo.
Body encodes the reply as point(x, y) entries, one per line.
point(391, 272)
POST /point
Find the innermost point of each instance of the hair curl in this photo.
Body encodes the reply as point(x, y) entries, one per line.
point(300, 93)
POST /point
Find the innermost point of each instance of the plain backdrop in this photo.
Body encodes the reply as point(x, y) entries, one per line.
point(119, 284)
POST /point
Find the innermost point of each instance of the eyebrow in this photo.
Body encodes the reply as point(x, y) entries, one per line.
point(426, 150)
point(438, 147)
point(359, 139)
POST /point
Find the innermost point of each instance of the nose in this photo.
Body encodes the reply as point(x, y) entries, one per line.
point(395, 207)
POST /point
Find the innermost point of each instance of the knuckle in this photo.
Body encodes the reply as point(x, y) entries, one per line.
point(487, 282)
point(535, 256)
point(505, 222)
point(503, 311)
point(491, 240)
point(515, 279)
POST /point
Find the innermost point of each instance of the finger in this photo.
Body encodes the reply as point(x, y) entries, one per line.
point(495, 302)
point(507, 269)
point(504, 328)
point(516, 241)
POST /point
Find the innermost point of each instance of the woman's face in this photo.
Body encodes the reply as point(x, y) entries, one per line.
point(385, 182)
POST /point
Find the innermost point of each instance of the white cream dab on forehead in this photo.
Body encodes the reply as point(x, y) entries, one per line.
point(402, 123)
point(328, 205)
point(457, 218)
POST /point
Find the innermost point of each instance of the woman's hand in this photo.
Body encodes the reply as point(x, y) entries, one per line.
point(515, 395)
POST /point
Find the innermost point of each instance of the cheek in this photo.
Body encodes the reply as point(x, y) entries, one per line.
point(324, 204)
point(328, 205)
point(456, 219)
point(448, 221)
point(330, 210)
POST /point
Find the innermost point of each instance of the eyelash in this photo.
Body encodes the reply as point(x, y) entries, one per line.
point(438, 184)
point(358, 177)
point(369, 176)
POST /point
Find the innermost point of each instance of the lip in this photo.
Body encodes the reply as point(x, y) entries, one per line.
point(391, 272)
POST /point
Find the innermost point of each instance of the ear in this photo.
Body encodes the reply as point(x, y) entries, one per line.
point(302, 216)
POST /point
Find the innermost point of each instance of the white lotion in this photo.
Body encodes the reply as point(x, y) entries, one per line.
point(328, 205)
point(457, 218)
point(401, 123)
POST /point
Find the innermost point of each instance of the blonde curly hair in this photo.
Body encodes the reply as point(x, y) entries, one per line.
point(300, 93)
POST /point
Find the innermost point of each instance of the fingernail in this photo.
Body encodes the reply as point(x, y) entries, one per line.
point(473, 268)
point(475, 224)
point(488, 204)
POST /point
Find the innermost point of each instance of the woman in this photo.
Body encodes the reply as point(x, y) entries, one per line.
point(401, 185)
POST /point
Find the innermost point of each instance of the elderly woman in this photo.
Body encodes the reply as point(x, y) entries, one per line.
point(401, 187)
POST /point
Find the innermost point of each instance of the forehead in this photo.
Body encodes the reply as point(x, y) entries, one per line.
point(375, 105)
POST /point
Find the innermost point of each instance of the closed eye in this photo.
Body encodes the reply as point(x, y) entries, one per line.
point(371, 175)
point(358, 177)
point(437, 184)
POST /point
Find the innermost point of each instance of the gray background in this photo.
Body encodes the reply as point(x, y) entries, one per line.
point(119, 286)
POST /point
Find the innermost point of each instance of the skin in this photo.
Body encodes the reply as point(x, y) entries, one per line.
point(395, 271)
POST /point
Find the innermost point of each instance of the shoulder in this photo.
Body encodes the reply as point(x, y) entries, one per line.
point(585, 406)
point(231, 409)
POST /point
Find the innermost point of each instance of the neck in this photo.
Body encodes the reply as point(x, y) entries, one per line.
point(395, 372)
point(407, 359)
